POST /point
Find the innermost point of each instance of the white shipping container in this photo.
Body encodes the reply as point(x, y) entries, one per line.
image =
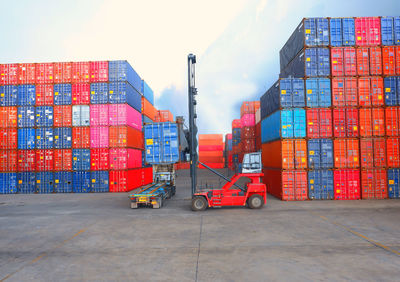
point(80, 115)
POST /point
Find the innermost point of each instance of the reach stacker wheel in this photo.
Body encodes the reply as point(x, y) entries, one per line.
point(199, 204)
point(255, 202)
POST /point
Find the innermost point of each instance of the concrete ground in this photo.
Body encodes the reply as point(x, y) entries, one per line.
point(97, 237)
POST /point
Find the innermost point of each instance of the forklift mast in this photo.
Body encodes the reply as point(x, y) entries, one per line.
point(192, 92)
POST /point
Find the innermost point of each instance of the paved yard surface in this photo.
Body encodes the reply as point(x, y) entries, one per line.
point(97, 237)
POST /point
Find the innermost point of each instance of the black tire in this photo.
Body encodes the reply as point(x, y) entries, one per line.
point(199, 203)
point(255, 202)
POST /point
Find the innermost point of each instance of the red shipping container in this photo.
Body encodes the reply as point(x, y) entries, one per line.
point(392, 121)
point(26, 73)
point(80, 72)
point(319, 123)
point(8, 117)
point(345, 122)
point(99, 71)
point(63, 159)
point(44, 160)
point(44, 73)
point(344, 91)
point(8, 138)
point(372, 122)
point(346, 153)
point(62, 116)
point(391, 60)
point(373, 152)
point(236, 123)
point(9, 74)
point(125, 136)
point(346, 184)
point(80, 93)
point(370, 91)
point(210, 148)
point(258, 144)
point(63, 72)
point(373, 184)
point(26, 160)
point(369, 61)
point(123, 158)
point(81, 137)
point(248, 145)
point(249, 107)
point(368, 31)
point(44, 94)
point(248, 132)
point(127, 180)
point(8, 160)
point(392, 152)
point(287, 185)
point(343, 60)
point(164, 116)
point(99, 159)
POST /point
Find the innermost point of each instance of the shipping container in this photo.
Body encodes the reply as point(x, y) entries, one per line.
point(80, 72)
point(346, 153)
point(147, 92)
point(26, 160)
point(44, 116)
point(123, 114)
point(368, 31)
point(62, 116)
point(258, 115)
point(26, 74)
point(369, 61)
point(26, 182)
point(44, 73)
point(318, 92)
point(372, 122)
point(80, 115)
point(311, 62)
point(390, 29)
point(285, 154)
point(44, 160)
point(310, 32)
point(123, 71)
point(392, 121)
point(62, 138)
point(342, 32)
point(81, 181)
point(147, 120)
point(148, 109)
point(248, 145)
point(63, 160)
point(393, 176)
point(345, 122)
point(343, 61)
point(161, 143)
point(236, 123)
point(392, 152)
point(164, 116)
point(99, 115)
point(26, 95)
point(80, 159)
point(44, 138)
point(370, 91)
point(100, 159)
point(319, 123)
point(99, 93)
point(320, 185)
point(8, 138)
point(26, 116)
point(344, 92)
point(8, 183)
point(62, 94)
point(249, 107)
point(63, 182)
point(8, 95)
point(124, 93)
point(123, 158)
point(392, 90)
point(44, 94)
point(8, 160)
point(320, 153)
point(347, 184)
point(211, 148)
point(80, 93)
point(8, 117)
point(9, 74)
point(99, 137)
point(372, 152)
point(248, 120)
point(26, 138)
point(391, 60)
point(248, 132)
point(125, 136)
point(63, 72)
point(99, 71)
point(99, 181)
point(127, 180)
point(374, 184)
point(237, 133)
point(287, 185)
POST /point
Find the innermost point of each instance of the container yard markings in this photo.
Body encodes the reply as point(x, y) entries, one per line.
point(198, 249)
point(348, 229)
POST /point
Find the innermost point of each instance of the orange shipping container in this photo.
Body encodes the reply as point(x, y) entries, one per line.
point(211, 137)
point(346, 152)
point(211, 153)
point(372, 122)
point(392, 152)
point(148, 109)
point(126, 137)
point(164, 116)
point(285, 154)
point(8, 117)
point(392, 121)
point(373, 184)
point(249, 107)
point(373, 152)
point(370, 91)
point(210, 142)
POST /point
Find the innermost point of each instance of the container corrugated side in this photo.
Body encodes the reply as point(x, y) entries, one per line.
point(320, 185)
point(80, 159)
point(320, 153)
point(8, 183)
point(318, 92)
point(26, 95)
point(63, 182)
point(342, 32)
point(81, 181)
point(374, 184)
point(123, 92)
point(161, 143)
point(99, 182)
point(26, 182)
point(99, 93)
point(26, 116)
point(393, 176)
point(8, 95)
point(147, 92)
point(123, 71)
point(62, 94)
point(287, 185)
point(347, 184)
point(44, 182)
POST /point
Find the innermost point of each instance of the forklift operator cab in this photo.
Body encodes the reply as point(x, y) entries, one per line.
point(252, 163)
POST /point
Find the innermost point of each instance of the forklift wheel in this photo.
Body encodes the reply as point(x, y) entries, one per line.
point(255, 202)
point(199, 203)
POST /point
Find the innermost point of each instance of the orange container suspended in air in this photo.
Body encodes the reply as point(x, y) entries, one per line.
point(148, 109)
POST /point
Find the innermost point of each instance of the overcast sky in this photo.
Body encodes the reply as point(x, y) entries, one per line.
point(237, 42)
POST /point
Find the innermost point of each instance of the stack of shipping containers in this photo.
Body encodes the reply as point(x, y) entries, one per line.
point(258, 130)
point(228, 151)
point(71, 127)
point(211, 150)
point(237, 156)
point(248, 130)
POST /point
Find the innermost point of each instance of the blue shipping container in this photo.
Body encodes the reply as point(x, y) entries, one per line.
point(26, 116)
point(62, 137)
point(123, 71)
point(312, 62)
point(147, 92)
point(26, 95)
point(8, 95)
point(44, 138)
point(318, 92)
point(311, 32)
point(44, 116)
point(99, 93)
point(62, 94)
point(393, 176)
point(26, 182)
point(236, 141)
point(8, 183)
point(63, 182)
point(124, 93)
point(320, 153)
point(320, 185)
point(236, 132)
point(229, 144)
point(81, 181)
point(161, 143)
point(99, 182)
point(392, 90)
point(44, 182)
point(26, 138)
point(80, 159)
point(342, 32)
point(390, 30)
